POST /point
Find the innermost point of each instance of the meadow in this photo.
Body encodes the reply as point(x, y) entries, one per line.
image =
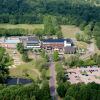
point(69, 31)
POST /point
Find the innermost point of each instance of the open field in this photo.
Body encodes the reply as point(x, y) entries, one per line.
point(24, 70)
point(81, 44)
point(28, 27)
point(69, 31)
point(24, 26)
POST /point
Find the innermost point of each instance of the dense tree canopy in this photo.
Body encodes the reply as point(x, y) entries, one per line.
point(20, 47)
point(78, 12)
point(55, 56)
point(96, 32)
point(19, 92)
point(80, 91)
point(4, 59)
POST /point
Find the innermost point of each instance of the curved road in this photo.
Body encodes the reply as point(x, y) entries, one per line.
point(90, 50)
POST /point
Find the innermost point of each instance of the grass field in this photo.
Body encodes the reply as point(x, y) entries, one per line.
point(24, 26)
point(68, 31)
point(81, 44)
point(28, 27)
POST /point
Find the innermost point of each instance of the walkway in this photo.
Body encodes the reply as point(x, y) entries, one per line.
point(16, 58)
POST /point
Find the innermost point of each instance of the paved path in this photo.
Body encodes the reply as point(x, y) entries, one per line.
point(16, 58)
point(52, 80)
point(90, 50)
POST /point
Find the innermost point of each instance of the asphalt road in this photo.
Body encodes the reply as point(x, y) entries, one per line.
point(90, 50)
point(52, 78)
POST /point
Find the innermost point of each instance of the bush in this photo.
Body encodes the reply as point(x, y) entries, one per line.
point(25, 57)
point(58, 67)
point(55, 56)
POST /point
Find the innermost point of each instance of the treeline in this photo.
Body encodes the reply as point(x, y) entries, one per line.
point(74, 61)
point(96, 33)
point(51, 26)
point(5, 61)
point(88, 32)
point(12, 32)
point(33, 11)
point(20, 92)
point(79, 91)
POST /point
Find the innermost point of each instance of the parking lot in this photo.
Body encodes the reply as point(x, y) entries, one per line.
point(84, 74)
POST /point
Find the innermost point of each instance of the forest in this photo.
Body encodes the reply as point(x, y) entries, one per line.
point(20, 92)
point(74, 12)
point(68, 91)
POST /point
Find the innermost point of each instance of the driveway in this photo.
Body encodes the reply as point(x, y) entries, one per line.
point(90, 50)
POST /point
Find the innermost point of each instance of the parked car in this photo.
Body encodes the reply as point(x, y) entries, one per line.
point(14, 52)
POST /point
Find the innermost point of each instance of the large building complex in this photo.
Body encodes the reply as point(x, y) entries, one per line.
point(33, 42)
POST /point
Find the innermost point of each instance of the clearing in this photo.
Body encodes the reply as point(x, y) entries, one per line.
point(68, 31)
point(28, 27)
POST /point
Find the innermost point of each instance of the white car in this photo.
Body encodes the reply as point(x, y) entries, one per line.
point(14, 52)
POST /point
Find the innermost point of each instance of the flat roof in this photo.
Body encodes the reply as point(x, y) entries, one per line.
point(56, 40)
point(12, 41)
point(69, 48)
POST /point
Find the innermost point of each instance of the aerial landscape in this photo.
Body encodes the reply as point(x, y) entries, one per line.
point(49, 49)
